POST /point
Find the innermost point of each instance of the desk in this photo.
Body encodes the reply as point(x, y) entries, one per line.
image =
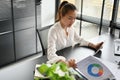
point(107, 56)
point(77, 53)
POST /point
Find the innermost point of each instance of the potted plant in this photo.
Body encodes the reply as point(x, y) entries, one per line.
point(56, 71)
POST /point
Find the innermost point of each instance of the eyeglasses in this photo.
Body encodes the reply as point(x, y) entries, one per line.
point(70, 18)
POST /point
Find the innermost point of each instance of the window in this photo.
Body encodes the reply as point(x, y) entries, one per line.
point(92, 16)
point(118, 15)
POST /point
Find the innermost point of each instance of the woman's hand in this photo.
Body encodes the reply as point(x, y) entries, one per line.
point(96, 46)
point(71, 63)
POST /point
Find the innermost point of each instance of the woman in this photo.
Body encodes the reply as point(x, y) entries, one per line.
point(62, 34)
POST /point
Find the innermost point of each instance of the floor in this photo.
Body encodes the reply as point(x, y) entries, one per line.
point(23, 69)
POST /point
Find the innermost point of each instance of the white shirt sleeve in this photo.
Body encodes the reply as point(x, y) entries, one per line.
point(80, 40)
point(51, 51)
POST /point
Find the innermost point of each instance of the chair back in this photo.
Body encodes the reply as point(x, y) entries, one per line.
point(43, 37)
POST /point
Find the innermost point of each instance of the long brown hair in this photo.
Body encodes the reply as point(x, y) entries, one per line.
point(64, 7)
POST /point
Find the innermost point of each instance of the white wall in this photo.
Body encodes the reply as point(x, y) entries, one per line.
point(47, 12)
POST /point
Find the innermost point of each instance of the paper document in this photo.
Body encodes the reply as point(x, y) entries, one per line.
point(93, 69)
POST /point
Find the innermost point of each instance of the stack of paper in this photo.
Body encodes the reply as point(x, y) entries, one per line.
point(94, 69)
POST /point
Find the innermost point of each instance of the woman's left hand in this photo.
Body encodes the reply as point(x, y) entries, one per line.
point(98, 45)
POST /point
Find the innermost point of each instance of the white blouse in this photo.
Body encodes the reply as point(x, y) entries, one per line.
point(57, 39)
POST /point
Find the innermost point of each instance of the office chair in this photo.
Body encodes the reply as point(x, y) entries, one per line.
point(43, 37)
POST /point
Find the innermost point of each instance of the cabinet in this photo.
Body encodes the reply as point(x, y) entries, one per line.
point(18, 23)
point(24, 24)
point(25, 43)
point(6, 33)
point(24, 14)
point(6, 49)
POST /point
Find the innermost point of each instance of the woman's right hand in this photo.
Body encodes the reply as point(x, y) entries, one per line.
point(71, 63)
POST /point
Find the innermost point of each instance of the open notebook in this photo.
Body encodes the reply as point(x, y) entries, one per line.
point(93, 69)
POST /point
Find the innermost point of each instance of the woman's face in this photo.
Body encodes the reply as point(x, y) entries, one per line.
point(68, 19)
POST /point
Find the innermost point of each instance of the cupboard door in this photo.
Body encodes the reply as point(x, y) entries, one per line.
point(25, 41)
point(5, 9)
point(6, 49)
point(5, 26)
point(24, 14)
point(5, 16)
